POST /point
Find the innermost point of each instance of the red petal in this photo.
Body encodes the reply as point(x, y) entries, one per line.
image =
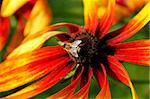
point(91, 15)
point(69, 90)
point(135, 52)
point(107, 19)
point(45, 83)
point(28, 73)
point(40, 55)
point(103, 82)
point(4, 29)
point(133, 26)
point(83, 92)
point(121, 73)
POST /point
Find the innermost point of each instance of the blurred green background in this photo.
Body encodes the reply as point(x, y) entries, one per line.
point(72, 11)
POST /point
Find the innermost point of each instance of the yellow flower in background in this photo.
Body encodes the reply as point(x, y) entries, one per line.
point(32, 16)
point(124, 8)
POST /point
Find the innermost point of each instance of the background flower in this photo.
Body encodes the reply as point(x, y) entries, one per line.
point(28, 15)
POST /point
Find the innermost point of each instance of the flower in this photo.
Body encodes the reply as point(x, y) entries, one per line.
point(124, 8)
point(95, 51)
point(29, 14)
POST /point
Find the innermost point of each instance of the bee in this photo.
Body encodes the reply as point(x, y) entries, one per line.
point(73, 48)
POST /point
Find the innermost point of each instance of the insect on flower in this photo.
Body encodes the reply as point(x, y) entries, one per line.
point(96, 51)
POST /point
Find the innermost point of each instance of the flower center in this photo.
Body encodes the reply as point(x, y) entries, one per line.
point(85, 48)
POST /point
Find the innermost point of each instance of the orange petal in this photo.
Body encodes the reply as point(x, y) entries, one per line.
point(135, 52)
point(45, 83)
point(107, 20)
point(29, 72)
point(133, 26)
point(121, 73)
point(8, 7)
point(103, 82)
point(41, 55)
point(91, 14)
point(67, 92)
point(4, 29)
point(83, 92)
point(134, 4)
point(40, 11)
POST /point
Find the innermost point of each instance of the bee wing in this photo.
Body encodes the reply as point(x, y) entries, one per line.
point(73, 51)
point(76, 43)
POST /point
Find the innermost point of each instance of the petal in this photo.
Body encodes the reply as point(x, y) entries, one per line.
point(69, 90)
point(121, 73)
point(33, 44)
point(40, 55)
point(133, 26)
point(135, 52)
point(73, 29)
point(45, 83)
point(4, 29)
point(17, 36)
point(35, 41)
point(107, 20)
point(91, 15)
point(103, 82)
point(40, 11)
point(29, 72)
point(134, 4)
point(8, 7)
point(83, 92)
point(25, 10)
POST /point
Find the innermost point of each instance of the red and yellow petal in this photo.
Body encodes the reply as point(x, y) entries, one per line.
point(4, 29)
point(40, 11)
point(107, 19)
point(73, 29)
point(83, 92)
point(35, 41)
point(121, 73)
point(29, 72)
point(133, 26)
point(45, 83)
point(33, 44)
point(135, 52)
point(91, 15)
point(17, 36)
point(68, 91)
point(8, 7)
point(103, 83)
point(41, 55)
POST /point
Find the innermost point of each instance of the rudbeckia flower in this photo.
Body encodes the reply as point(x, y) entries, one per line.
point(89, 50)
point(29, 14)
point(124, 8)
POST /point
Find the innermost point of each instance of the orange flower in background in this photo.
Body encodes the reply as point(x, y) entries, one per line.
point(124, 8)
point(89, 50)
point(29, 14)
